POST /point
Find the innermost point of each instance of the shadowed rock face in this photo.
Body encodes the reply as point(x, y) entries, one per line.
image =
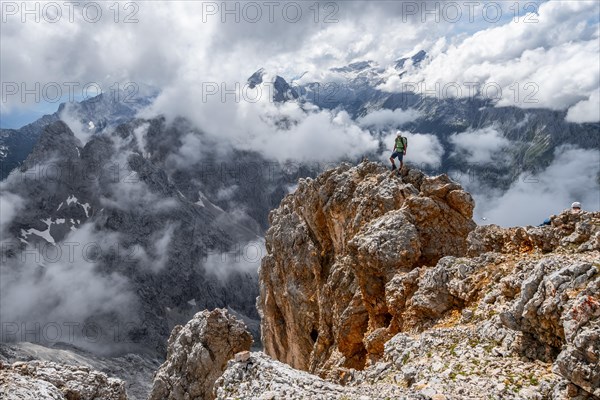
point(333, 247)
point(197, 355)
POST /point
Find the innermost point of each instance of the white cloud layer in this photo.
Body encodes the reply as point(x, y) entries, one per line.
point(243, 258)
point(552, 63)
point(172, 44)
point(479, 146)
point(383, 119)
point(49, 289)
point(572, 176)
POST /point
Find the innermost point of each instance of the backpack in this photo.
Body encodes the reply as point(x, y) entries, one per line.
point(401, 143)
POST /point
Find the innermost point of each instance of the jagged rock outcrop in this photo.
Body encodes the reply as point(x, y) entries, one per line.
point(559, 305)
point(575, 231)
point(260, 377)
point(42, 380)
point(335, 245)
point(135, 370)
point(386, 279)
point(197, 355)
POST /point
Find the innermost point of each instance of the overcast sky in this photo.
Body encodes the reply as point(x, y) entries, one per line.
point(179, 45)
point(528, 54)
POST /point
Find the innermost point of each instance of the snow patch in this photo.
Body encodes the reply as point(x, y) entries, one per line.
point(43, 234)
point(201, 199)
point(71, 199)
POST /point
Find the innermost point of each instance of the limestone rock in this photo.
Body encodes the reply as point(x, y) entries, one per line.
point(359, 258)
point(263, 378)
point(580, 231)
point(197, 355)
point(48, 380)
point(333, 247)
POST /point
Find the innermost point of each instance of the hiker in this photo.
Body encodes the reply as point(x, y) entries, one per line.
point(400, 146)
point(575, 209)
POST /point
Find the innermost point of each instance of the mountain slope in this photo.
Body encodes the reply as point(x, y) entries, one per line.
point(108, 225)
point(95, 114)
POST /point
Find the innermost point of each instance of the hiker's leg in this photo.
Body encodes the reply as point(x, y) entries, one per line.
point(393, 163)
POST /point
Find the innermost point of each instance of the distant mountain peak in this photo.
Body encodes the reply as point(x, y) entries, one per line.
point(355, 66)
point(256, 78)
point(282, 91)
point(416, 59)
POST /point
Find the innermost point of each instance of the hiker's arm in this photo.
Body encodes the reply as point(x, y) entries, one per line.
point(405, 148)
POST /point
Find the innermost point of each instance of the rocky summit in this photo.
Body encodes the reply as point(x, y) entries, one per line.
point(376, 278)
point(197, 355)
point(344, 255)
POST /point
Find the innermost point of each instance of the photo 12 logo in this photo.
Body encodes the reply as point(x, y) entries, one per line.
point(469, 11)
point(68, 332)
point(270, 11)
point(67, 252)
point(69, 11)
point(54, 92)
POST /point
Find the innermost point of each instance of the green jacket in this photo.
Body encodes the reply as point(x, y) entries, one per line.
point(401, 144)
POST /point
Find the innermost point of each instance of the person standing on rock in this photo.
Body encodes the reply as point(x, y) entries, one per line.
point(400, 146)
point(575, 209)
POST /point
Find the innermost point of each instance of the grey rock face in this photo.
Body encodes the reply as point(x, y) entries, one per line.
point(47, 380)
point(135, 370)
point(559, 305)
point(197, 355)
point(367, 271)
point(159, 240)
point(260, 377)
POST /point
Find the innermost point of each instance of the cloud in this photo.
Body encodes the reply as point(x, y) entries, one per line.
point(53, 290)
point(572, 176)
point(586, 110)
point(156, 256)
point(317, 136)
point(10, 205)
point(479, 146)
point(288, 131)
point(383, 119)
point(140, 133)
point(423, 149)
point(130, 193)
point(552, 63)
point(243, 258)
point(82, 130)
point(227, 193)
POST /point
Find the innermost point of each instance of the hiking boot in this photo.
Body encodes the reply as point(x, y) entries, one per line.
point(393, 167)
